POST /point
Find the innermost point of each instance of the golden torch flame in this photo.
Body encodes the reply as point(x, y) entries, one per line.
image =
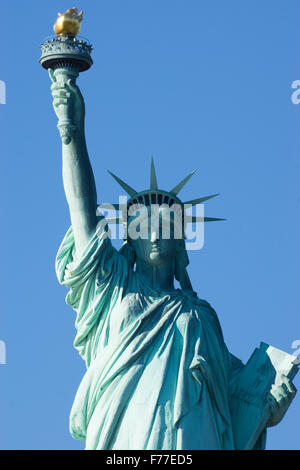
point(68, 22)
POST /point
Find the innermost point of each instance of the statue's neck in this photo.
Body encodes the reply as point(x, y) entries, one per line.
point(160, 278)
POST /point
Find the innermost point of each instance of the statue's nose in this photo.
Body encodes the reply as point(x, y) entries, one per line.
point(154, 236)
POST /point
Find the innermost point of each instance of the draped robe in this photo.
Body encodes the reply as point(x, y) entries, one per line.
point(159, 375)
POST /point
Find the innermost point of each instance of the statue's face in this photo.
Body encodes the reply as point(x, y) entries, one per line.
point(154, 248)
point(155, 251)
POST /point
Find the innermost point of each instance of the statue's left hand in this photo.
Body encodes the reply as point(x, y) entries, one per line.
point(280, 398)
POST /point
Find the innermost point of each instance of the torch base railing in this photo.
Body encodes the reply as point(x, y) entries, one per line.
point(66, 55)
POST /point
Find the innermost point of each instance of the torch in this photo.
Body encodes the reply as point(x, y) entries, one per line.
point(64, 56)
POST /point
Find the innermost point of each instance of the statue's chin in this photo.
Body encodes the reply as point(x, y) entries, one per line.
point(155, 258)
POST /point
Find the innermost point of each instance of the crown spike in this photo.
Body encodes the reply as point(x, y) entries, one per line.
point(194, 202)
point(194, 218)
point(108, 206)
point(114, 220)
point(153, 179)
point(182, 183)
point(129, 190)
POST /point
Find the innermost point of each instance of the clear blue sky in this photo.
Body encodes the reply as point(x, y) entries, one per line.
point(197, 84)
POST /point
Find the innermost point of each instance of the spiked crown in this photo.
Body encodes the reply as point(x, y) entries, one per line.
point(154, 195)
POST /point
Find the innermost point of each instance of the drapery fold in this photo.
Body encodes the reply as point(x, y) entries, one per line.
point(158, 374)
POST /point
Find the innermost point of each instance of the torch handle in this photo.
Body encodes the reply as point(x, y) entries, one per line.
point(66, 124)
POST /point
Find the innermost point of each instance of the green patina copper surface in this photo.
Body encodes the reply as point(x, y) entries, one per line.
point(159, 375)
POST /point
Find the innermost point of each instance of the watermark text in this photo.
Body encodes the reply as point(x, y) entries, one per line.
point(2, 92)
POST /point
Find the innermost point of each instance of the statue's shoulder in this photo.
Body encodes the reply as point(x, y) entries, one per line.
point(204, 309)
point(196, 301)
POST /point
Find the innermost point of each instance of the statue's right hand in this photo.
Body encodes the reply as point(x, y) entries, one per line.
point(67, 99)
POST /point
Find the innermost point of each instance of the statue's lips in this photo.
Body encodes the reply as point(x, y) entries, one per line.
point(155, 249)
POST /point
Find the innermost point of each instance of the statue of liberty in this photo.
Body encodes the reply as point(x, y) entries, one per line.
point(159, 375)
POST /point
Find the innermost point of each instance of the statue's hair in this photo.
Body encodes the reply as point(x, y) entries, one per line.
point(128, 252)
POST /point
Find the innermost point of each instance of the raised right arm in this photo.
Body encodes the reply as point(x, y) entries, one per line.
point(78, 178)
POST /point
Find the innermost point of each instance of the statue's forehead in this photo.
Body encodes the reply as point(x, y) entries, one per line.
point(154, 213)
